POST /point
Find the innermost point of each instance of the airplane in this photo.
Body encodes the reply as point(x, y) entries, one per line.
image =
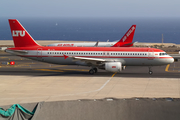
point(112, 59)
point(125, 41)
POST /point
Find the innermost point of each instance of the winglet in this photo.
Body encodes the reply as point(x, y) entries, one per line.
point(127, 38)
point(65, 56)
point(20, 36)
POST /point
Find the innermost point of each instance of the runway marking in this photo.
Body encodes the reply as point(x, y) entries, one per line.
point(113, 74)
point(61, 70)
point(76, 69)
point(106, 82)
point(167, 67)
point(71, 94)
point(49, 70)
point(87, 91)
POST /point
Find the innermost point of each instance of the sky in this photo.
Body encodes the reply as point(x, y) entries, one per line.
point(90, 8)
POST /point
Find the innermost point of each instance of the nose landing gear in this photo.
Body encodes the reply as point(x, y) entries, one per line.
point(150, 71)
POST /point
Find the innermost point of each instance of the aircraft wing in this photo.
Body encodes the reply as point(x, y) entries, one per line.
point(89, 59)
point(127, 44)
point(92, 61)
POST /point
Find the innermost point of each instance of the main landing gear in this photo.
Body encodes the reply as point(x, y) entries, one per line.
point(92, 71)
point(150, 71)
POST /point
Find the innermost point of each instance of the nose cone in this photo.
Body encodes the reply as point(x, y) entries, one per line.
point(171, 60)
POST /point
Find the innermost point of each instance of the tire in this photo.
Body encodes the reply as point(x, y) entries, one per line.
point(95, 70)
point(150, 72)
point(91, 71)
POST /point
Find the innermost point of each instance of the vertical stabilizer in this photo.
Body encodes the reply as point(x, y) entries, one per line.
point(20, 36)
point(128, 37)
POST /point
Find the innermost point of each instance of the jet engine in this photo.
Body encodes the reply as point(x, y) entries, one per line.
point(114, 66)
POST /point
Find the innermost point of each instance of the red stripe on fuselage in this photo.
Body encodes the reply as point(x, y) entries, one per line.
point(133, 49)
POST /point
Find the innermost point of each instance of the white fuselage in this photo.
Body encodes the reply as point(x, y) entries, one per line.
point(127, 58)
point(83, 44)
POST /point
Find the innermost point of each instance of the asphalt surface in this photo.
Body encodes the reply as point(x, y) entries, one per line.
point(31, 81)
point(24, 66)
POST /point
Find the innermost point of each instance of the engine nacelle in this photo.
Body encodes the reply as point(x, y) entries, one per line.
point(113, 66)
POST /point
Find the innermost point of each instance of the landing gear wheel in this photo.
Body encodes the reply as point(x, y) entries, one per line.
point(91, 71)
point(150, 72)
point(95, 70)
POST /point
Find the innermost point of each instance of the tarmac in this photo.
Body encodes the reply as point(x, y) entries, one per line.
point(69, 92)
point(31, 81)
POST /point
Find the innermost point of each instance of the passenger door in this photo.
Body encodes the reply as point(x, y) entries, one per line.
point(150, 54)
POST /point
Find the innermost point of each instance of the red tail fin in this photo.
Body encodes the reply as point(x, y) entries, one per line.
point(20, 36)
point(128, 37)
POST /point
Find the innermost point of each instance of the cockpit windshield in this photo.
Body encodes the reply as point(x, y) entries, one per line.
point(161, 54)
